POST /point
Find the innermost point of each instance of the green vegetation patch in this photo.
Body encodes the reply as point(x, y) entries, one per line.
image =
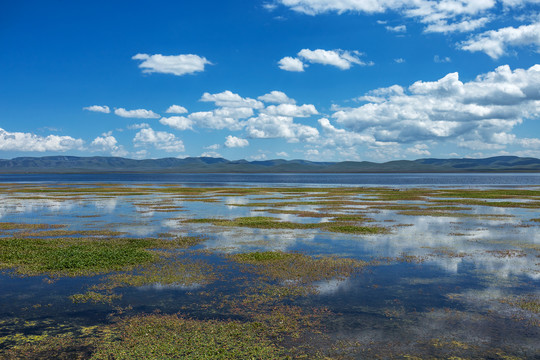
point(499, 204)
point(177, 272)
point(81, 256)
point(176, 337)
point(94, 297)
point(20, 226)
point(296, 267)
point(491, 194)
point(265, 222)
point(442, 213)
point(529, 303)
point(56, 233)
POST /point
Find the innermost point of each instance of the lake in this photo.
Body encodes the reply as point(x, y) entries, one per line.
point(345, 266)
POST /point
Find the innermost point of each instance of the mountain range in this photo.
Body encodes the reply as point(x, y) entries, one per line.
point(100, 164)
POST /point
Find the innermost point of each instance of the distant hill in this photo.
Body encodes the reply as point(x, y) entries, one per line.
point(100, 164)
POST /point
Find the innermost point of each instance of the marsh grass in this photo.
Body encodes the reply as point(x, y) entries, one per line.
point(82, 256)
point(297, 269)
point(19, 226)
point(168, 272)
point(264, 222)
point(443, 213)
point(177, 337)
point(58, 233)
point(94, 297)
point(498, 204)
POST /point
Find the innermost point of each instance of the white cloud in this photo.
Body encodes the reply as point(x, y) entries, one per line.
point(272, 126)
point(341, 59)
point(476, 114)
point(533, 143)
point(291, 110)
point(314, 7)
point(138, 126)
point(159, 139)
point(258, 157)
point(98, 108)
point(18, 141)
point(269, 6)
point(342, 138)
point(277, 97)
point(171, 64)
point(231, 100)
point(140, 154)
point(438, 16)
point(439, 59)
point(399, 60)
point(282, 154)
point(108, 143)
point(398, 29)
point(221, 118)
point(178, 122)
point(136, 114)
point(233, 141)
point(312, 153)
point(211, 154)
point(468, 25)
point(176, 109)
point(419, 149)
point(291, 64)
point(495, 42)
point(213, 147)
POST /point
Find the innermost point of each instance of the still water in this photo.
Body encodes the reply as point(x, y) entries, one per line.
point(288, 179)
point(452, 280)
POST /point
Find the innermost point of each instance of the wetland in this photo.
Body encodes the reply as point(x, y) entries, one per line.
point(124, 270)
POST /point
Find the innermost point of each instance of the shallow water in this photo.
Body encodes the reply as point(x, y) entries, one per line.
point(432, 282)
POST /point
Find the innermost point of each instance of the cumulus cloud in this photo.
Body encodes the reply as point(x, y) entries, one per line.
point(231, 100)
point(341, 59)
point(439, 59)
point(311, 153)
point(341, 138)
point(438, 16)
point(138, 126)
point(233, 142)
point(221, 118)
point(178, 122)
point(291, 64)
point(136, 114)
point(161, 140)
point(275, 126)
point(277, 97)
point(213, 147)
point(211, 154)
point(176, 109)
point(98, 108)
point(108, 143)
point(496, 42)
point(258, 157)
point(397, 29)
point(419, 149)
point(171, 64)
point(481, 111)
point(468, 25)
point(282, 154)
point(19, 141)
point(291, 110)
point(532, 143)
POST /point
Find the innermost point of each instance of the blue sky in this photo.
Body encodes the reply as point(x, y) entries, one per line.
point(325, 80)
